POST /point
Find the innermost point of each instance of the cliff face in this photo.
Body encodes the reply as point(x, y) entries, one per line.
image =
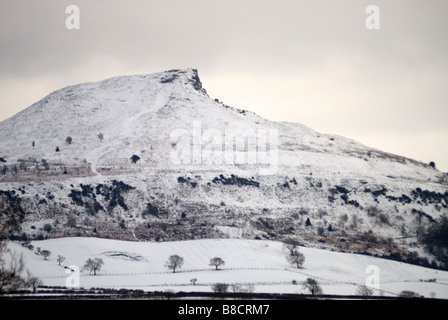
point(153, 157)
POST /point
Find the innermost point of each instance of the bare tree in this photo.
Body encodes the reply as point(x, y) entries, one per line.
point(243, 291)
point(236, 287)
point(60, 259)
point(94, 265)
point(11, 275)
point(34, 282)
point(313, 286)
point(174, 262)
point(220, 288)
point(290, 246)
point(364, 291)
point(193, 281)
point(216, 262)
point(249, 289)
point(295, 257)
point(10, 269)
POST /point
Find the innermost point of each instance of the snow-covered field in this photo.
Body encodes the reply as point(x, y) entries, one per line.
point(140, 265)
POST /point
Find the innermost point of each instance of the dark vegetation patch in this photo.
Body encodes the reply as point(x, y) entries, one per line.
point(344, 196)
point(112, 194)
point(153, 210)
point(187, 181)
point(430, 197)
point(11, 208)
point(235, 180)
point(418, 195)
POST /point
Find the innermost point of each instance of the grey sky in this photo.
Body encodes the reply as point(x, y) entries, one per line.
point(312, 62)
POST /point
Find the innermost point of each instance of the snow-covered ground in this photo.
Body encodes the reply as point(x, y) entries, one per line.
point(140, 265)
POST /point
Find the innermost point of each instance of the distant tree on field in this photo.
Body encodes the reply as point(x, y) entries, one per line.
point(100, 136)
point(216, 262)
point(94, 265)
point(174, 262)
point(193, 281)
point(364, 291)
point(45, 254)
point(313, 286)
point(249, 288)
point(34, 282)
point(60, 259)
point(69, 140)
point(241, 290)
point(296, 258)
point(236, 287)
point(220, 288)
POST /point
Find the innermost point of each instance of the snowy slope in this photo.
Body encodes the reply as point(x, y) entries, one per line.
point(140, 265)
point(91, 187)
point(137, 115)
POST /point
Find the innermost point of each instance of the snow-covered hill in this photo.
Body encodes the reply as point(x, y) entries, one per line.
point(153, 157)
point(261, 263)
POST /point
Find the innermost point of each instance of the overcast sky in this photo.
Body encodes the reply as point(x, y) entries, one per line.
point(312, 62)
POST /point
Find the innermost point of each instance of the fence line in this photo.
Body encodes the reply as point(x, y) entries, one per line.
point(323, 281)
point(202, 284)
